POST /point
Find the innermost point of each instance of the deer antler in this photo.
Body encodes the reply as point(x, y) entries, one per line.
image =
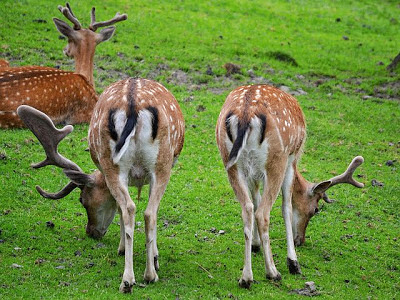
point(67, 12)
point(94, 25)
point(347, 176)
point(61, 194)
point(49, 136)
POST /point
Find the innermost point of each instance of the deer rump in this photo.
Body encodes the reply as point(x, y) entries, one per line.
point(133, 131)
point(246, 139)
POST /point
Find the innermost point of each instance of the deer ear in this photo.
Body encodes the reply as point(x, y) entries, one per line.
point(321, 187)
point(64, 28)
point(80, 178)
point(105, 34)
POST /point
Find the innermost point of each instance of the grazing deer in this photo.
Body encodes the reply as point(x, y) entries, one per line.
point(66, 97)
point(260, 134)
point(135, 136)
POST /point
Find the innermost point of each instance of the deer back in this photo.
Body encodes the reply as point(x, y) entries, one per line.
point(63, 96)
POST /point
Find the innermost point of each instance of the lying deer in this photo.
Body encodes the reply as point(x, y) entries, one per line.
point(66, 97)
point(260, 134)
point(135, 136)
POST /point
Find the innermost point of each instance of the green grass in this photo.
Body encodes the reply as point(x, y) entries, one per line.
point(352, 246)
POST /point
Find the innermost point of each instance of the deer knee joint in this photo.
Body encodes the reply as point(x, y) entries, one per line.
point(249, 208)
point(131, 208)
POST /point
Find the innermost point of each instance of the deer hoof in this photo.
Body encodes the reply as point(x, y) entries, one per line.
point(294, 266)
point(277, 277)
point(245, 283)
point(151, 279)
point(255, 248)
point(126, 287)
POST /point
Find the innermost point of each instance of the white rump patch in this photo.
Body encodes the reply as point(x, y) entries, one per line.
point(139, 148)
point(252, 155)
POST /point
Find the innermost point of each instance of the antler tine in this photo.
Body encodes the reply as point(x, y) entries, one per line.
point(48, 135)
point(94, 25)
point(61, 194)
point(67, 12)
point(347, 176)
point(70, 9)
point(92, 17)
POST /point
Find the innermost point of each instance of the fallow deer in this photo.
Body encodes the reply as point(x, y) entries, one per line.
point(260, 134)
point(135, 136)
point(66, 97)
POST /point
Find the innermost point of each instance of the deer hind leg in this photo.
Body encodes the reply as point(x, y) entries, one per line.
point(287, 186)
point(240, 188)
point(158, 184)
point(121, 247)
point(118, 186)
point(272, 183)
point(255, 195)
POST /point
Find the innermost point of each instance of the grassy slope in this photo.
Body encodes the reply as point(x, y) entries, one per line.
point(352, 247)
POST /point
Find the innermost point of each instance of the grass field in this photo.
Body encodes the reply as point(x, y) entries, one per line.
point(331, 54)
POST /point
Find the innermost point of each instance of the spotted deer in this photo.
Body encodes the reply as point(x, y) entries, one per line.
point(135, 137)
point(260, 134)
point(66, 97)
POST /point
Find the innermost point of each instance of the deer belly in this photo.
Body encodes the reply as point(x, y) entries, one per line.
point(138, 176)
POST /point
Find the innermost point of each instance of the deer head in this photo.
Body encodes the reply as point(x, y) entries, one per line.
point(306, 196)
point(94, 196)
point(82, 42)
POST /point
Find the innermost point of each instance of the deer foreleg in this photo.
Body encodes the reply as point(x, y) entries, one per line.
point(287, 186)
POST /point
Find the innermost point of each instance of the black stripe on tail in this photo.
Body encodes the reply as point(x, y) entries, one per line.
point(228, 126)
point(132, 116)
point(238, 143)
point(111, 125)
point(263, 120)
point(154, 121)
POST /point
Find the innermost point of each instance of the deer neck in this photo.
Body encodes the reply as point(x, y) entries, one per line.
point(84, 66)
point(300, 185)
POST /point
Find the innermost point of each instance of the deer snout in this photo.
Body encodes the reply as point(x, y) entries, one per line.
point(299, 240)
point(95, 233)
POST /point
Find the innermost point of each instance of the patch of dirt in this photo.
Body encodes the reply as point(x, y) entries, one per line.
point(377, 183)
point(319, 79)
point(179, 77)
point(388, 90)
point(232, 69)
point(157, 71)
point(309, 290)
